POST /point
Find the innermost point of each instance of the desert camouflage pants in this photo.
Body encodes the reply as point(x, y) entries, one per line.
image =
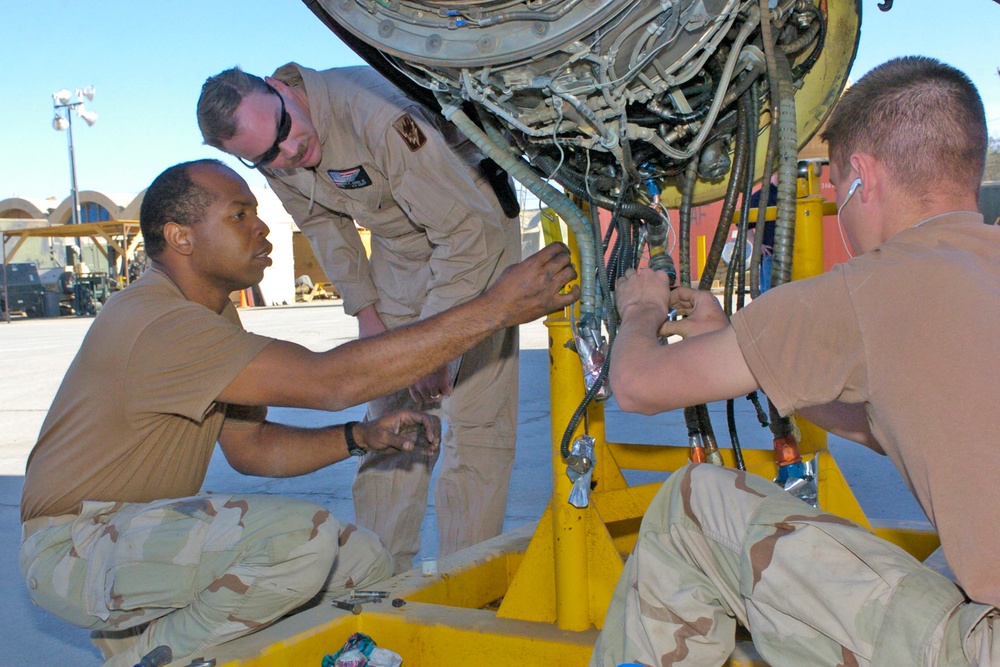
point(719, 547)
point(195, 571)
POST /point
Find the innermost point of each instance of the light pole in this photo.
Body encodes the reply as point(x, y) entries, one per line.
point(63, 106)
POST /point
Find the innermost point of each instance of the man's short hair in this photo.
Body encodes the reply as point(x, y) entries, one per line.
point(220, 97)
point(922, 119)
point(173, 197)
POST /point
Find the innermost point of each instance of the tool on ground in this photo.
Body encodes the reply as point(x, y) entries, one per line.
point(369, 596)
point(353, 607)
point(158, 657)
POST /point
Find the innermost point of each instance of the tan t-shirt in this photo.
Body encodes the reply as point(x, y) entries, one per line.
point(910, 329)
point(135, 418)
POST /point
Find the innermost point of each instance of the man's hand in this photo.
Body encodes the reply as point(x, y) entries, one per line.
point(403, 430)
point(531, 289)
point(432, 388)
point(369, 323)
point(701, 313)
point(647, 292)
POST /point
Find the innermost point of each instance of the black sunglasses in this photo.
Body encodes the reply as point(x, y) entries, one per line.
point(284, 127)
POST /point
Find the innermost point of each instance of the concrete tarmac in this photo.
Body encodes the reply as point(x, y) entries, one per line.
point(34, 355)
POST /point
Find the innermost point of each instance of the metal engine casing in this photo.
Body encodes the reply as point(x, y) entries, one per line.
point(576, 80)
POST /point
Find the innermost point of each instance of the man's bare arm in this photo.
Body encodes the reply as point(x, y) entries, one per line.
point(277, 450)
point(286, 374)
point(649, 377)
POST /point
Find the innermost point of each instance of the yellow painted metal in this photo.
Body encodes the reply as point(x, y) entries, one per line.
point(917, 542)
point(531, 595)
point(569, 524)
point(807, 261)
point(702, 254)
point(807, 253)
point(426, 634)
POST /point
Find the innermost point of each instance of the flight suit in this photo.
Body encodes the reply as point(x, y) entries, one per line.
point(439, 237)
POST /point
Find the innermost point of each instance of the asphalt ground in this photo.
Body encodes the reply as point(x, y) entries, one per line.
point(34, 355)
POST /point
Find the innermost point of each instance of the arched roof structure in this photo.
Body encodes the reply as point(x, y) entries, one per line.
point(113, 204)
point(18, 207)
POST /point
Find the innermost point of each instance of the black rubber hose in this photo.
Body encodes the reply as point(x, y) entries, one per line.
point(573, 181)
point(728, 208)
point(765, 188)
point(807, 64)
point(705, 424)
point(730, 282)
point(753, 123)
point(733, 435)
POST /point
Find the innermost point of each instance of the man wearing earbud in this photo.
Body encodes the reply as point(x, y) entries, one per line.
point(896, 349)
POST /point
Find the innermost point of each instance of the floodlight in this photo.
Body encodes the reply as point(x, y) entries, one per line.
point(88, 117)
point(61, 96)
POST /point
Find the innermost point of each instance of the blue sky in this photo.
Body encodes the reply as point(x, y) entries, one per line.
point(148, 60)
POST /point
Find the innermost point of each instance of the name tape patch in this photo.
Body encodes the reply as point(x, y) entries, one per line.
point(350, 179)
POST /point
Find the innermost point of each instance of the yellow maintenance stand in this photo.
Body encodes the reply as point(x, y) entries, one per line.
point(538, 595)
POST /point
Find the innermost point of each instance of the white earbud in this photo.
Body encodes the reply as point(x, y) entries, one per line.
point(850, 192)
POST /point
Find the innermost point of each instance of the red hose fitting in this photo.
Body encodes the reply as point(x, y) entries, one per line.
point(786, 450)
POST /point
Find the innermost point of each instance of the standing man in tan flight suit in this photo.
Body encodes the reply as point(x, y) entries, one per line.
point(345, 145)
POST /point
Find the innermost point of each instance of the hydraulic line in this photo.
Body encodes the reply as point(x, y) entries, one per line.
point(747, 113)
point(602, 274)
point(728, 208)
point(739, 261)
point(684, 231)
point(807, 64)
point(696, 449)
point(602, 376)
point(560, 203)
point(712, 453)
point(758, 239)
point(786, 450)
point(738, 258)
point(765, 186)
point(696, 445)
point(576, 185)
point(724, 81)
point(733, 435)
point(782, 100)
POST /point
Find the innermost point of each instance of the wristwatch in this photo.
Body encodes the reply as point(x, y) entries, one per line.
point(352, 445)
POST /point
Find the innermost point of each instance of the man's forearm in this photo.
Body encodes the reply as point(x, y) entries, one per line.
point(278, 450)
point(648, 378)
point(286, 374)
point(378, 365)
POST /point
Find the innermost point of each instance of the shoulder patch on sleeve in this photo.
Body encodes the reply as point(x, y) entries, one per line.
point(410, 132)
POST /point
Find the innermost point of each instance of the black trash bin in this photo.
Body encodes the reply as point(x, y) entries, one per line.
point(51, 308)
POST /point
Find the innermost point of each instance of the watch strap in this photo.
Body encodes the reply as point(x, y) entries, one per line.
point(352, 445)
